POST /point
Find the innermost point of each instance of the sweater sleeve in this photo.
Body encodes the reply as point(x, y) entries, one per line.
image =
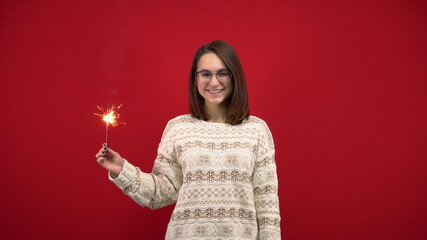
point(159, 188)
point(266, 187)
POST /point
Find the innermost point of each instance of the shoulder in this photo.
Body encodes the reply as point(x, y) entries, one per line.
point(263, 128)
point(186, 118)
point(259, 124)
point(177, 123)
point(181, 120)
point(256, 121)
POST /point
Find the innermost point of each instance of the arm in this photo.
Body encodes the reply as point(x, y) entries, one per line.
point(266, 187)
point(159, 188)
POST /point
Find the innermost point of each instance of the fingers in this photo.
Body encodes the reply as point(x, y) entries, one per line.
point(106, 154)
point(105, 148)
point(101, 153)
point(98, 155)
point(101, 160)
point(101, 156)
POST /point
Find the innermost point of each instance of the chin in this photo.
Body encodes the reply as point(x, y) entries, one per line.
point(215, 102)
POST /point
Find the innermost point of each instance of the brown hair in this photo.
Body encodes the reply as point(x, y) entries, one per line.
point(237, 103)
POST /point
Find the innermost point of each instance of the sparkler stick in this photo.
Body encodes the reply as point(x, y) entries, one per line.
point(109, 116)
point(106, 133)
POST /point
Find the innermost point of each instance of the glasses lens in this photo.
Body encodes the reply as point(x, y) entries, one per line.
point(204, 76)
point(223, 76)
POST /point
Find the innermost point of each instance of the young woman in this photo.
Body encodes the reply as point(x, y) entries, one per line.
point(216, 164)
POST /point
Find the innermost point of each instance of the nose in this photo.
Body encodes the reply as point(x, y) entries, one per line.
point(214, 82)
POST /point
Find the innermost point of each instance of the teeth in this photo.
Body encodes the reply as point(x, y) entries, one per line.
point(215, 91)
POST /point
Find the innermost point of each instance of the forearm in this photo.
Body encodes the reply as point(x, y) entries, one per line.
point(136, 184)
point(267, 204)
point(268, 215)
point(265, 184)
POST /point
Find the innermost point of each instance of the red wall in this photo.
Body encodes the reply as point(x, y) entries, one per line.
point(342, 85)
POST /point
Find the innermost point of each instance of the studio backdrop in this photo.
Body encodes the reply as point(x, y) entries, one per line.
point(341, 84)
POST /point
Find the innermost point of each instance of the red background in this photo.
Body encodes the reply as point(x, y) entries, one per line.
point(342, 85)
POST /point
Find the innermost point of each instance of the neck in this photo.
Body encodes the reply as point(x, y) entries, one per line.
point(216, 113)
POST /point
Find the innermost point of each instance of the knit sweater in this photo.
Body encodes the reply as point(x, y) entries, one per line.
point(221, 177)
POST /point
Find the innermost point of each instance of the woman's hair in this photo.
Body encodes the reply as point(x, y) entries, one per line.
point(237, 104)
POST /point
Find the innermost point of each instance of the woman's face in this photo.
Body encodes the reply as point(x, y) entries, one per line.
point(214, 92)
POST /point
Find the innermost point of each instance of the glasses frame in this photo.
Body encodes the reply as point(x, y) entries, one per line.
point(216, 75)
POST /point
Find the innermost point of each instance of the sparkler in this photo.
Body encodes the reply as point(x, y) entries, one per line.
point(109, 116)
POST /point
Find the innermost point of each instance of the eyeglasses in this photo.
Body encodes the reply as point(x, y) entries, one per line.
point(205, 76)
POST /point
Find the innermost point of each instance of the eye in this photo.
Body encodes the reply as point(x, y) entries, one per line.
point(205, 74)
point(222, 74)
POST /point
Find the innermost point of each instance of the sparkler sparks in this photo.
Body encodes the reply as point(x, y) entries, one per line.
point(109, 116)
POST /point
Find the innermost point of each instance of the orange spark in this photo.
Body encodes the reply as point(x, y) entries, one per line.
point(110, 115)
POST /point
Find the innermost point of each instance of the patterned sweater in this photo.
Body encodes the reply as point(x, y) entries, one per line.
point(221, 177)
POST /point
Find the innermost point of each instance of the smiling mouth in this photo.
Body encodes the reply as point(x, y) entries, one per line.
point(215, 91)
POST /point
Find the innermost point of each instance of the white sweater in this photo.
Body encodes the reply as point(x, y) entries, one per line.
point(221, 177)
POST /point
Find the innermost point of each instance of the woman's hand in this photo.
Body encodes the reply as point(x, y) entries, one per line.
point(110, 160)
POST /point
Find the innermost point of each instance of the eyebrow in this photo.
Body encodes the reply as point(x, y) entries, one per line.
point(219, 70)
